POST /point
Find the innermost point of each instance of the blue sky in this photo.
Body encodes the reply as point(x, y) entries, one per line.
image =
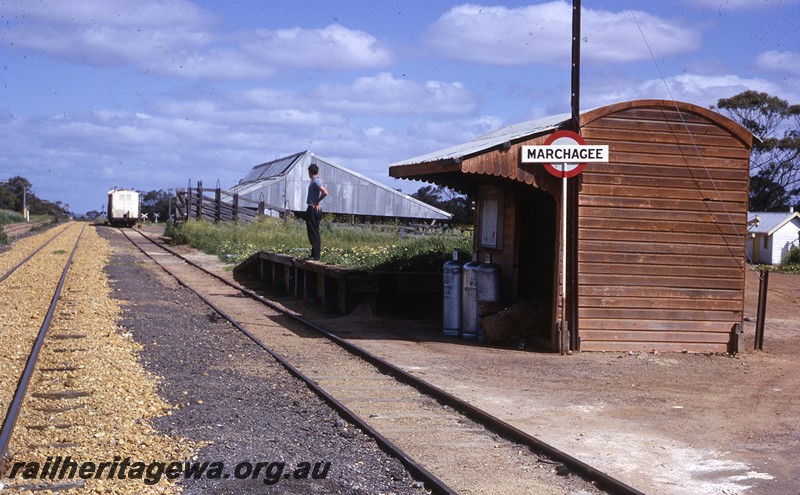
point(152, 93)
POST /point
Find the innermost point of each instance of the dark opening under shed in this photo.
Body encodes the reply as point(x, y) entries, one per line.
point(656, 237)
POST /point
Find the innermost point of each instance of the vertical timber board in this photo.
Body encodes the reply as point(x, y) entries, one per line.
point(288, 279)
point(330, 297)
point(309, 285)
point(299, 282)
point(265, 272)
point(277, 275)
point(505, 257)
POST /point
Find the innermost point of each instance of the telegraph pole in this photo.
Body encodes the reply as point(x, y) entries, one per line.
point(576, 64)
point(576, 126)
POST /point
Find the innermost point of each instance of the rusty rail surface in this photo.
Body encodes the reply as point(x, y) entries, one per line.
point(602, 479)
point(15, 407)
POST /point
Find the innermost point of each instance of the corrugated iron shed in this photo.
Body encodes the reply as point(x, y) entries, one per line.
point(284, 183)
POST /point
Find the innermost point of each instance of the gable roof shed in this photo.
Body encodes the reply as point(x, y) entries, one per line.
point(772, 236)
point(284, 183)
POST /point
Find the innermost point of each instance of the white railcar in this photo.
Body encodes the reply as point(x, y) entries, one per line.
point(123, 207)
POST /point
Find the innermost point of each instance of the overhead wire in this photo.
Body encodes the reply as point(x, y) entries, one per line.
point(693, 141)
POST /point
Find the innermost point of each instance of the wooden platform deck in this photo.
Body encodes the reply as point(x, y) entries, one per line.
point(342, 289)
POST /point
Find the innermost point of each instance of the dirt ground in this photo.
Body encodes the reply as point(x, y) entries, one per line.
point(666, 423)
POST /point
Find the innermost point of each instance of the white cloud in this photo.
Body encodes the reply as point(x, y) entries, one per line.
point(236, 112)
point(703, 90)
point(542, 34)
point(169, 141)
point(327, 105)
point(334, 47)
point(777, 61)
point(730, 5)
point(106, 33)
point(176, 38)
point(447, 133)
point(383, 94)
point(106, 12)
point(209, 64)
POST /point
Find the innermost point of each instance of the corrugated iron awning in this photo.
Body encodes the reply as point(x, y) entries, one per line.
point(487, 141)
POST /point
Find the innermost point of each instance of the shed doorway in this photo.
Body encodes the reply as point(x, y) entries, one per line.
point(536, 255)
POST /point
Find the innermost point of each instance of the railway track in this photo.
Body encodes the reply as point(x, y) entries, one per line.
point(71, 387)
point(42, 310)
point(16, 229)
point(452, 446)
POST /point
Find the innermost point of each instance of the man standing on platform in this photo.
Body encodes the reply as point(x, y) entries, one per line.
point(316, 193)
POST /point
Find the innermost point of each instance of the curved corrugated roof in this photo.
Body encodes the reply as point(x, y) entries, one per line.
point(515, 132)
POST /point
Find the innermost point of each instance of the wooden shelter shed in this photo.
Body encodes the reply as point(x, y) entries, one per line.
point(656, 237)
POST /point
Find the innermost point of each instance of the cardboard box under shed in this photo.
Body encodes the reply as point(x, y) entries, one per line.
point(656, 237)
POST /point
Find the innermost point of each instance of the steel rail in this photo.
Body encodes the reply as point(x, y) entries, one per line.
point(12, 228)
point(432, 482)
point(6, 275)
point(510, 432)
point(30, 365)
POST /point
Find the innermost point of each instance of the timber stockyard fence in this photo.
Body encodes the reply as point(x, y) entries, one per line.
point(218, 204)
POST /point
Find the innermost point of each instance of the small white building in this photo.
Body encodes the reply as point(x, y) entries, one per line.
point(771, 236)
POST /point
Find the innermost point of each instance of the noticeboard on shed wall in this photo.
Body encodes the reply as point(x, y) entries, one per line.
point(491, 217)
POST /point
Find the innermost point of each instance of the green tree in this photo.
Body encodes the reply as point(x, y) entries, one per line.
point(428, 195)
point(458, 205)
point(20, 188)
point(8, 200)
point(17, 191)
point(156, 202)
point(775, 157)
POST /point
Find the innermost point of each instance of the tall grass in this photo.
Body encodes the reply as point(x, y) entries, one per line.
point(359, 247)
point(8, 216)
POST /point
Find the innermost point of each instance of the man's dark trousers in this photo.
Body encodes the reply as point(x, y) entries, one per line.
point(313, 219)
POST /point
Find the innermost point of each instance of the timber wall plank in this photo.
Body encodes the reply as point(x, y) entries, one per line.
point(662, 229)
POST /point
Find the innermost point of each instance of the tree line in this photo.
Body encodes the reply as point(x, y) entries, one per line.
point(155, 204)
point(16, 193)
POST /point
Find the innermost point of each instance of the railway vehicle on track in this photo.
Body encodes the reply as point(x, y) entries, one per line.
point(123, 207)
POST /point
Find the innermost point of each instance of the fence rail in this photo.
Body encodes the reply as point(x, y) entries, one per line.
point(220, 205)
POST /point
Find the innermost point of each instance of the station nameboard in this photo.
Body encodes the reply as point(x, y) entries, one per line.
point(565, 154)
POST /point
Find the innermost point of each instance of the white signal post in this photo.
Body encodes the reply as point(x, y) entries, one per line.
point(564, 154)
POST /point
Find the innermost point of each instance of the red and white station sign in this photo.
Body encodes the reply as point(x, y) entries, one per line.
point(565, 154)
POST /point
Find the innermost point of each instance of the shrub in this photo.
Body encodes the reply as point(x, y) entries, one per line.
point(791, 262)
point(8, 216)
point(361, 247)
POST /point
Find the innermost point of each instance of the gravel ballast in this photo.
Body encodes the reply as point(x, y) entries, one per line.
point(89, 401)
point(233, 398)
